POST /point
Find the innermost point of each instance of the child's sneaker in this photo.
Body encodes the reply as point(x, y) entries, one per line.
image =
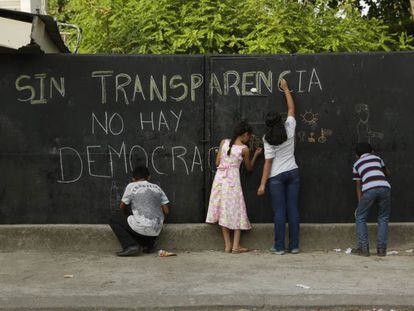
point(360, 252)
point(381, 252)
point(277, 252)
point(150, 249)
point(295, 251)
point(130, 251)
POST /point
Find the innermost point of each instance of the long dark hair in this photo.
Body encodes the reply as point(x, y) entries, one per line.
point(275, 129)
point(240, 129)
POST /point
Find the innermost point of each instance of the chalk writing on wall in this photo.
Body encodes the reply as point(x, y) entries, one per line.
point(253, 83)
point(75, 163)
point(102, 159)
point(38, 88)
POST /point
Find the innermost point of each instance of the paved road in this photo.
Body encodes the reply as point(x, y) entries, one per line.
point(206, 280)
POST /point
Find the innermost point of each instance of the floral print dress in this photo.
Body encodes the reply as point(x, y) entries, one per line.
point(227, 206)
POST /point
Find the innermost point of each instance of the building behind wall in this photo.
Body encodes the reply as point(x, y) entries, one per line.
point(29, 6)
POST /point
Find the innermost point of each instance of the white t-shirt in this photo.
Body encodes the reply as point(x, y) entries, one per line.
point(146, 199)
point(283, 155)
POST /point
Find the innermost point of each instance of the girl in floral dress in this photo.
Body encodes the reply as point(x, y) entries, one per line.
point(227, 206)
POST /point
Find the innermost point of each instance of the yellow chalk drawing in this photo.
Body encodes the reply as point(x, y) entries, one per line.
point(310, 118)
point(301, 136)
point(324, 134)
point(311, 138)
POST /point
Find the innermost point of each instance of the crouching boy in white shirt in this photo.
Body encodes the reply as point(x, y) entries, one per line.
point(141, 227)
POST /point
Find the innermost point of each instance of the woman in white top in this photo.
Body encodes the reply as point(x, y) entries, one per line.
point(280, 176)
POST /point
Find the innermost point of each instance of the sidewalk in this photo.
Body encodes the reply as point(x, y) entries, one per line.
point(205, 280)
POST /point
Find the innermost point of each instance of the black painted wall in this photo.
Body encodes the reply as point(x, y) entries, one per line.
point(71, 128)
point(67, 160)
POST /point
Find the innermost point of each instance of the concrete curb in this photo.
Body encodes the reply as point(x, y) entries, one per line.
point(191, 237)
point(210, 302)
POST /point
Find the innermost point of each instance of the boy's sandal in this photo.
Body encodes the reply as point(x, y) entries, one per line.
point(240, 250)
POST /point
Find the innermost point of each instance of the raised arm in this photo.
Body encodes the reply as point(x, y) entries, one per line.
point(249, 163)
point(289, 99)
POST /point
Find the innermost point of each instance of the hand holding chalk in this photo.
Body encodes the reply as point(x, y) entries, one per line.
point(258, 152)
point(284, 85)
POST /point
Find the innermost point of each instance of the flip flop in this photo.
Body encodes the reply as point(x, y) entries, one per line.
point(240, 250)
point(163, 253)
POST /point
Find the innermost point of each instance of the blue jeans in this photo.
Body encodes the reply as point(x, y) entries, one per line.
point(284, 197)
point(381, 197)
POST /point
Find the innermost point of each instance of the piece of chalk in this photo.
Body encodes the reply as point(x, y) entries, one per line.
point(253, 90)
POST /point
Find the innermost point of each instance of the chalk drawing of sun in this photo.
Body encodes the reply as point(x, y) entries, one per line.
point(310, 118)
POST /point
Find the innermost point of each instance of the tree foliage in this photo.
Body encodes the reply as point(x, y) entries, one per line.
point(228, 27)
point(396, 14)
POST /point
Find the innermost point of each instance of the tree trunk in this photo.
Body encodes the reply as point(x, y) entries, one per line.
point(412, 9)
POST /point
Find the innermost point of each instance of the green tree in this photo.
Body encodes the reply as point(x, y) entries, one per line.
point(396, 14)
point(228, 27)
